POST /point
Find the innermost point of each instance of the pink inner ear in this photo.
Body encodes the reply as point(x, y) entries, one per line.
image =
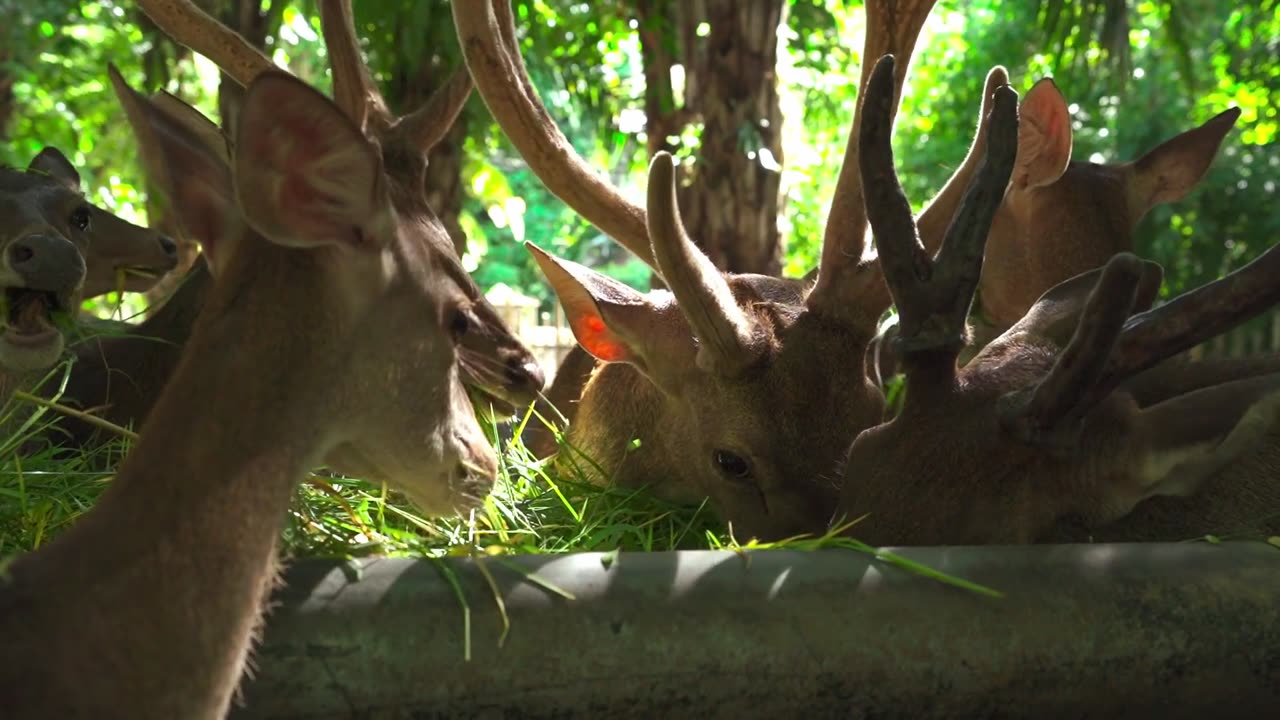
point(596, 339)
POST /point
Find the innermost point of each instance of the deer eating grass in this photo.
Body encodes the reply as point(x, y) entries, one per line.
point(56, 248)
point(742, 388)
point(119, 256)
point(1036, 437)
point(330, 333)
point(119, 376)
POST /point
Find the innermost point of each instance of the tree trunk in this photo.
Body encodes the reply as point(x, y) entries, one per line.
point(729, 195)
point(7, 107)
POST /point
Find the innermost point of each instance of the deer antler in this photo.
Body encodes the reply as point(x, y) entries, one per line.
point(1193, 317)
point(486, 31)
point(186, 23)
point(844, 273)
point(724, 331)
point(933, 297)
point(353, 89)
point(1057, 401)
point(424, 127)
point(1110, 346)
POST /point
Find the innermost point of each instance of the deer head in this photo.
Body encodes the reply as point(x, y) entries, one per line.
point(118, 255)
point(42, 266)
point(497, 367)
point(1037, 428)
point(742, 388)
point(1061, 217)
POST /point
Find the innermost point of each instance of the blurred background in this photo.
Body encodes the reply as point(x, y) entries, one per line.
point(757, 96)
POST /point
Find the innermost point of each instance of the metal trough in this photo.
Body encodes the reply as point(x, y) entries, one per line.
point(1139, 630)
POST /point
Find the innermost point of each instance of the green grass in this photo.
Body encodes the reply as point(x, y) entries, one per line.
point(535, 507)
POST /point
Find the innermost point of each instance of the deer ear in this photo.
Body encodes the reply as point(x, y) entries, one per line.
point(615, 323)
point(304, 174)
point(196, 186)
point(51, 161)
point(1169, 171)
point(1044, 136)
point(1192, 437)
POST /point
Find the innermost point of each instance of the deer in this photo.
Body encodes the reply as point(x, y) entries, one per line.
point(721, 378)
point(119, 256)
point(1037, 439)
point(42, 271)
point(120, 375)
point(56, 248)
point(500, 371)
point(330, 333)
point(1061, 217)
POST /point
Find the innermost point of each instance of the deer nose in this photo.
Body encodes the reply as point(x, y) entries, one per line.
point(523, 371)
point(47, 262)
point(169, 247)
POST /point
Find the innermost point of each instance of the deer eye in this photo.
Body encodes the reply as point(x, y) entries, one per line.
point(732, 465)
point(459, 324)
point(80, 218)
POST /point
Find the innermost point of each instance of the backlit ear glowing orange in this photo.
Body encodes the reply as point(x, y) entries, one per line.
point(596, 339)
point(578, 288)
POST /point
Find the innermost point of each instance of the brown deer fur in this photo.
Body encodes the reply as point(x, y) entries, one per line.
point(328, 334)
point(1037, 438)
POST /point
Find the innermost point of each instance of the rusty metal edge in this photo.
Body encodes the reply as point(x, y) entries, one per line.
point(1135, 630)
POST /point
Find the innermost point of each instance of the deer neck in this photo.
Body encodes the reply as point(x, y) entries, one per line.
point(157, 591)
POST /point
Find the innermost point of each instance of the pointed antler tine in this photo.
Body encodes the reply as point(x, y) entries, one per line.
point(353, 88)
point(958, 267)
point(1194, 317)
point(849, 285)
point(423, 128)
point(725, 333)
point(1060, 398)
point(902, 258)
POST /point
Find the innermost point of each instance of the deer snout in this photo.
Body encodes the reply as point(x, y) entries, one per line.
point(524, 373)
point(47, 262)
point(476, 470)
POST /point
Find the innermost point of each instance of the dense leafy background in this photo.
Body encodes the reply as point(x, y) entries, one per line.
point(1133, 78)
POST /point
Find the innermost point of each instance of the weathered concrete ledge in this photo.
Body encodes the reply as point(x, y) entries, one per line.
point(1151, 630)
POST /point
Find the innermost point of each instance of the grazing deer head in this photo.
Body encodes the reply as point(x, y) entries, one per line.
point(1037, 428)
point(742, 388)
point(498, 368)
point(329, 333)
point(118, 255)
point(42, 266)
point(1061, 217)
